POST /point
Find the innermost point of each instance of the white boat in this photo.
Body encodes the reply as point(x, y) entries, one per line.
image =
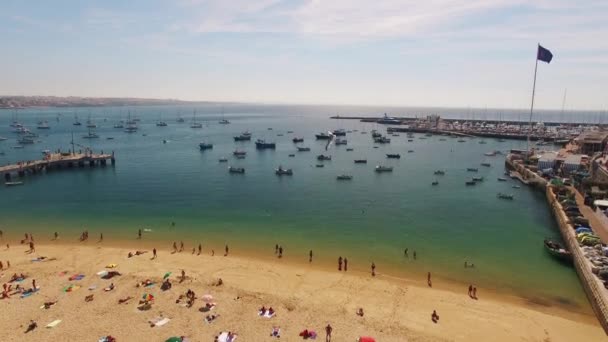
point(25, 140)
point(90, 135)
point(380, 168)
point(13, 183)
point(194, 123)
point(119, 125)
point(3, 138)
point(43, 125)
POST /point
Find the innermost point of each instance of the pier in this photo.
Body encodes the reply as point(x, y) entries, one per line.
point(406, 120)
point(56, 161)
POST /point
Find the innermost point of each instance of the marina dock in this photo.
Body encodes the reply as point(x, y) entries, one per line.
point(55, 161)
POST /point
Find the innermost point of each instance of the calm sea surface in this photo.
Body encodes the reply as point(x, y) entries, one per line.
point(374, 217)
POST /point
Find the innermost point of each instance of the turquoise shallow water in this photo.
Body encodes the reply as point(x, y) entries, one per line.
point(371, 218)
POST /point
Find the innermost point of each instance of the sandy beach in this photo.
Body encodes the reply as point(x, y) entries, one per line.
point(303, 296)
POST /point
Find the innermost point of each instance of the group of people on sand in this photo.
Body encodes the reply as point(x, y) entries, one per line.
point(189, 297)
point(278, 250)
point(472, 292)
point(405, 253)
point(131, 254)
point(342, 262)
point(8, 291)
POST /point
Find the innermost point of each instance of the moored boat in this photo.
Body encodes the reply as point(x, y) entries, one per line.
point(223, 159)
point(339, 132)
point(242, 137)
point(341, 141)
point(393, 155)
point(205, 146)
point(322, 136)
point(477, 179)
point(557, 251)
point(472, 169)
point(13, 183)
point(381, 168)
point(439, 172)
point(502, 179)
point(281, 171)
point(435, 183)
point(323, 157)
point(261, 145)
point(382, 140)
point(236, 170)
point(486, 164)
point(344, 177)
point(297, 140)
point(504, 196)
point(360, 161)
point(303, 149)
point(239, 153)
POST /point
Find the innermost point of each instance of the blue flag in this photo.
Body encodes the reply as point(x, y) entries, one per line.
point(544, 54)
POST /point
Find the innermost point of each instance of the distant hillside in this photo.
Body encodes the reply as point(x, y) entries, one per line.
point(72, 101)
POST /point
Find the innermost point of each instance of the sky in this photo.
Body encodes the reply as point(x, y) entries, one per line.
point(441, 53)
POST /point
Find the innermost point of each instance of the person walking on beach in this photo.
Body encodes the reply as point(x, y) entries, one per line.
point(193, 250)
point(435, 317)
point(174, 247)
point(181, 246)
point(340, 264)
point(345, 264)
point(1, 233)
point(34, 284)
point(328, 330)
point(200, 249)
point(226, 250)
point(276, 249)
point(428, 280)
point(474, 293)
point(100, 237)
point(405, 253)
point(139, 234)
point(32, 248)
point(56, 236)
point(471, 291)
point(153, 253)
point(280, 251)
point(310, 256)
point(373, 269)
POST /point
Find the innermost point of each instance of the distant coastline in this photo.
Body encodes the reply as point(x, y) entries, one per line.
point(16, 102)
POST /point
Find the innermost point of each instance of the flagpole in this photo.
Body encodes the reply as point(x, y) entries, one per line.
point(532, 104)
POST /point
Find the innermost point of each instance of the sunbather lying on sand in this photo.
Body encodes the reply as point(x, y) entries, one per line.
point(88, 298)
point(211, 318)
point(124, 300)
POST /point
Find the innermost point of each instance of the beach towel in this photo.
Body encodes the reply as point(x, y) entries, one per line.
point(159, 321)
point(366, 339)
point(53, 323)
point(111, 265)
point(29, 293)
point(92, 287)
point(76, 277)
point(223, 337)
point(71, 288)
point(61, 274)
point(102, 273)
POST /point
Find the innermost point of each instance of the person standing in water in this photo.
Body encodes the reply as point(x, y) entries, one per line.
point(200, 249)
point(310, 256)
point(280, 251)
point(276, 249)
point(428, 280)
point(405, 253)
point(345, 264)
point(226, 250)
point(139, 234)
point(373, 269)
point(100, 237)
point(340, 264)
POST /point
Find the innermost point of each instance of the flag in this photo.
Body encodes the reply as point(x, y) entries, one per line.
point(544, 54)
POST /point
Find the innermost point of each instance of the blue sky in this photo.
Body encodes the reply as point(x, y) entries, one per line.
point(473, 53)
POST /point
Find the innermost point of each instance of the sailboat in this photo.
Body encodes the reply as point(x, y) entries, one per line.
point(223, 121)
point(194, 123)
point(90, 123)
point(43, 125)
point(160, 122)
point(131, 125)
point(90, 135)
point(76, 122)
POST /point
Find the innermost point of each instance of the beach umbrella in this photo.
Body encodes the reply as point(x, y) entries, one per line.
point(166, 275)
point(174, 339)
point(207, 298)
point(148, 297)
point(366, 339)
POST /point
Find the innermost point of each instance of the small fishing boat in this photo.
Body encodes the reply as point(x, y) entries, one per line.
point(165, 141)
point(303, 149)
point(76, 122)
point(339, 132)
point(13, 183)
point(205, 146)
point(262, 144)
point(360, 161)
point(435, 183)
point(239, 153)
point(376, 134)
point(224, 122)
point(410, 140)
point(382, 140)
point(502, 179)
point(180, 120)
point(119, 125)
point(323, 157)
point(472, 169)
point(471, 182)
point(461, 140)
point(281, 171)
point(486, 164)
point(344, 177)
point(196, 125)
point(161, 124)
point(223, 160)
point(25, 140)
point(43, 125)
point(289, 131)
point(381, 168)
point(3, 138)
point(556, 250)
point(292, 155)
point(243, 137)
point(504, 196)
point(297, 140)
point(393, 156)
point(236, 170)
point(477, 179)
point(322, 136)
point(439, 172)
point(341, 141)
point(320, 165)
point(516, 186)
point(350, 149)
point(410, 151)
point(112, 138)
point(490, 154)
